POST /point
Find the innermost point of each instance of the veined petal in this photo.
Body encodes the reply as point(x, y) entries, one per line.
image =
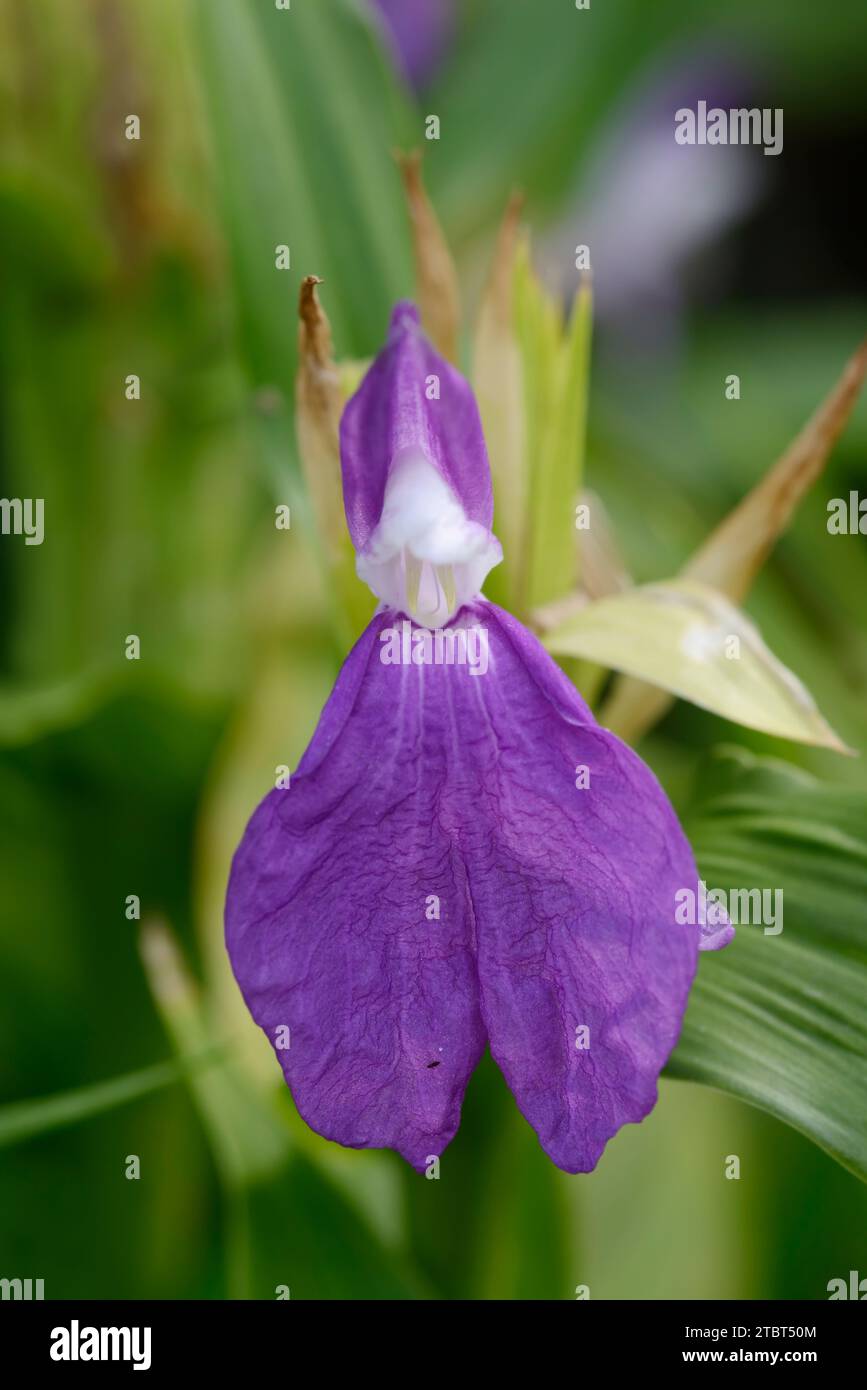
point(574, 869)
point(464, 853)
point(330, 925)
point(416, 479)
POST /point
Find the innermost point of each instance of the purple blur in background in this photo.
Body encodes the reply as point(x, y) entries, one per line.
point(420, 32)
point(650, 209)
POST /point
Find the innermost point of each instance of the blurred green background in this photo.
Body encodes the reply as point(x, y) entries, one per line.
point(155, 257)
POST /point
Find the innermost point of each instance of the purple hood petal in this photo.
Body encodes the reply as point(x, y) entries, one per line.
point(391, 414)
point(416, 479)
point(434, 879)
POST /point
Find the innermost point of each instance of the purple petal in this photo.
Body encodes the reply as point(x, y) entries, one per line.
point(714, 938)
point(420, 32)
point(391, 415)
point(574, 895)
point(557, 905)
point(326, 924)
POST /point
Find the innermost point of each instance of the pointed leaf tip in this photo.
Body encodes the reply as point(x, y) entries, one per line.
point(437, 279)
point(315, 331)
point(736, 550)
point(319, 404)
point(498, 298)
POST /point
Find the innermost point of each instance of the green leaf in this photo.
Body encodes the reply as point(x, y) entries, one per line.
point(48, 229)
point(781, 1020)
point(524, 95)
point(467, 1241)
point(732, 555)
point(556, 362)
point(30, 712)
point(304, 113)
point(498, 377)
point(288, 1223)
point(297, 1229)
point(691, 640)
point(27, 1118)
point(270, 728)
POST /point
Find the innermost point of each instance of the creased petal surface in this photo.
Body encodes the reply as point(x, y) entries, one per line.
point(326, 919)
point(574, 897)
point(556, 905)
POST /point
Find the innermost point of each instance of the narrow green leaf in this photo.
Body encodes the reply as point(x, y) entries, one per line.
point(29, 712)
point(556, 363)
point(687, 638)
point(780, 1019)
point(270, 730)
point(249, 1141)
point(347, 112)
point(556, 486)
point(498, 381)
point(469, 1243)
point(289, 1225)
point(542, 77)
point(27, 1118)
point(537, 328)
point(296, 1230)
point(732, 555)
point(304, 115)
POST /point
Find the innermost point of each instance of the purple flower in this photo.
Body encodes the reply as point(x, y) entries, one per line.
point(645, 267)
point(464, 857)
point(420, 32)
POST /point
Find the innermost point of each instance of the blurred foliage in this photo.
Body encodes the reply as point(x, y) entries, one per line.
point(157, 258)
point(792, 1013)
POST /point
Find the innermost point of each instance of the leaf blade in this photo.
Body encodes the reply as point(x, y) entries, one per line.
point(27, 1119)
point(685, 638)
point(780, 1020)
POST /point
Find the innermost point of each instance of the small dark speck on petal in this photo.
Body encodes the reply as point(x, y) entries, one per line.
point(432, 1064)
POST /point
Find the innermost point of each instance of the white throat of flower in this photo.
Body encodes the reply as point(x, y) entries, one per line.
point(425, 557)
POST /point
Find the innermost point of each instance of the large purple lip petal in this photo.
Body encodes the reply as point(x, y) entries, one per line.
point(426, 786)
